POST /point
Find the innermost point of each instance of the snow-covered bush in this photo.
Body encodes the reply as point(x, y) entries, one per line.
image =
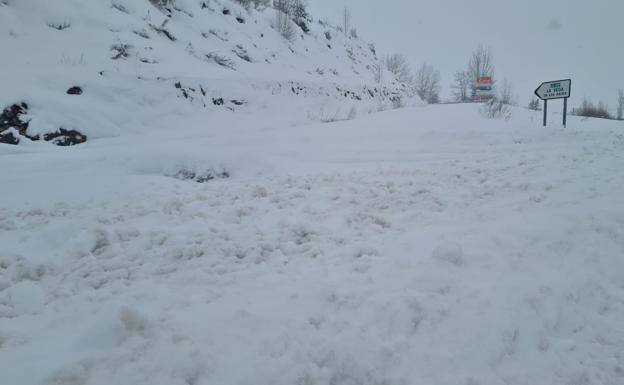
point(495, 109)
point(590, 110)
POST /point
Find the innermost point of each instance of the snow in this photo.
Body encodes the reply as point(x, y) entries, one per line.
point(422, 245)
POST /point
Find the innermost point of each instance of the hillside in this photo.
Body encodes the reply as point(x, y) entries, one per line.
point(143, 69)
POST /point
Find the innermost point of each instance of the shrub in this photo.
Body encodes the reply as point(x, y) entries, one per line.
point(534, 105)
point(163, 4)
point(221, 60)
point(120, 50)
point(590, 110)
point(289, 12)
point(59, 26)
point(496, 110)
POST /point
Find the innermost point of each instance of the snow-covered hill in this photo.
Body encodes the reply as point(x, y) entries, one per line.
point(143, 69)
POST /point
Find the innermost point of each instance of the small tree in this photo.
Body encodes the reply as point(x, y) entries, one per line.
point(462, 84)
point(506, 95)
point(346, 21)
point(427, 84)
point(283, 23)
point(378, 72)
point(620, 108)
point(397, 64)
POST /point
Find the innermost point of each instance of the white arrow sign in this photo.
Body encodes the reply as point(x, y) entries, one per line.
point(558, 89)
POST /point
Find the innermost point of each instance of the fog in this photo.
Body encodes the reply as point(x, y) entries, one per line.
point(532, 40)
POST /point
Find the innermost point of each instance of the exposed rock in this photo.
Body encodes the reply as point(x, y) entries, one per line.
point(74, 91)
point(12, 117)
point(9, 137)
point(64, 137)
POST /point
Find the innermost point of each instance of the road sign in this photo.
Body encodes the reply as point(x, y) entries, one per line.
point(558, 89)
point(483, 88)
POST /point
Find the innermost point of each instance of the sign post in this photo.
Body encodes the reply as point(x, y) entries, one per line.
point(557, 89)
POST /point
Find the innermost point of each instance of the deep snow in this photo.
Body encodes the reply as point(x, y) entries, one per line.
point(418, 246)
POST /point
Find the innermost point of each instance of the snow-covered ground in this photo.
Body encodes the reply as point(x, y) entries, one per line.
point(418, 246)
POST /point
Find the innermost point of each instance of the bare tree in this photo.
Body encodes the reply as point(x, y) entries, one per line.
point(620, 108)
point(283, 22)
point(378, 72)
point(346, 21)
point(481, 64)
point(462, 83)
point(427, 83)
point(506, 95)
point(397, 64)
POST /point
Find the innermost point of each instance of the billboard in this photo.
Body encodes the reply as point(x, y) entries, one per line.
point(484, 88)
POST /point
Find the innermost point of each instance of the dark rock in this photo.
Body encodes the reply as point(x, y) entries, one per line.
point(226, 11)
point(12, 117)
point(74, 91)
point(303, 25)
point(240, 20)
point(218, 101)
point(7, 137)
point(64, 137)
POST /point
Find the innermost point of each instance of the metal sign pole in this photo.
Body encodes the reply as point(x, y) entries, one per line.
point(565, 111)
point(545, 111)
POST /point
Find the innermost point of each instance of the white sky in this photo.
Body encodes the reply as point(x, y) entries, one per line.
point(532, 40)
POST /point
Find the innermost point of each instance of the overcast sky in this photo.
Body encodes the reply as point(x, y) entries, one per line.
point(532, 40)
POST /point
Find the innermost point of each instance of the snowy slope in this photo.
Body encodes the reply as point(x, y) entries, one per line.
point(418, 246)
point(144, 70)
